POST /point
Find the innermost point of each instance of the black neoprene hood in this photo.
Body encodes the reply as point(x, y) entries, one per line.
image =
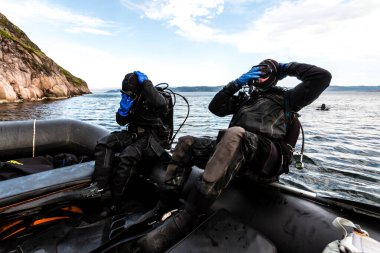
point(130, 85)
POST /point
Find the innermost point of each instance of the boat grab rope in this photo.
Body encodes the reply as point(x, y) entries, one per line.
point(34, 136)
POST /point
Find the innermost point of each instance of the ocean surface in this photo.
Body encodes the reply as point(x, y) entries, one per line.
point(342, 145)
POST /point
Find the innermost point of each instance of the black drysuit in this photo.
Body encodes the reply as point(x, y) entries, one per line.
point(147, 135)
point(255, 141)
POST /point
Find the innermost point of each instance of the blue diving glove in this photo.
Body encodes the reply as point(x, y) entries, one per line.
point(282, 70)
point(253, 74)
point(141, 77)
point(126, 103)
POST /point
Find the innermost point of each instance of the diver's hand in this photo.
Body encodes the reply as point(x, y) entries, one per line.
point(141, 77)
point(253, 74)
point(126, 103)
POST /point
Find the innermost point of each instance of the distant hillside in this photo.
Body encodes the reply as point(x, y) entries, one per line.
point(354, 88)
point(218, 88)
point(197, 88)
point(331, 88)
point(185, 89)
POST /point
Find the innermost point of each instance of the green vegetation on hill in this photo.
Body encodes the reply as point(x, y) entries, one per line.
point(12, 32)
point(15, 34)
point(76, 81)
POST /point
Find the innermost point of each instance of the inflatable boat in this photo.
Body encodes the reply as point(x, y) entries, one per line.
point(56, 210)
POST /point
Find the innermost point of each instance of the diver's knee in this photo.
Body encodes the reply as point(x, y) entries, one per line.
point(106, 141)
point(235, 132)
point(186, 141)
point(131, 155)
point(103, 141)
point(182, 147)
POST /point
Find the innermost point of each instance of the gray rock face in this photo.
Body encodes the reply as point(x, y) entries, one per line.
point(26, 73)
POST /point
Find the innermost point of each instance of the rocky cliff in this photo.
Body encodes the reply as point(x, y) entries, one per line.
point(26, 73)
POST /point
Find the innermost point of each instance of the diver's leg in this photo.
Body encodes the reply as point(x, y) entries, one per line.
point(105, 150)
point(226, 160)
point(268, 162)
point(189, 150)
point(221, 168)
point(126, 169)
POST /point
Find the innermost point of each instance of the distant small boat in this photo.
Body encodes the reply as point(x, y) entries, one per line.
point(53, 211)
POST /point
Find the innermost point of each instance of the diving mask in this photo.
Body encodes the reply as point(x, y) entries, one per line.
point(269, 77)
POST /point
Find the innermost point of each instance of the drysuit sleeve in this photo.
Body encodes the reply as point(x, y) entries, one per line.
point(224, 102)
point(152, 96)
point(314, 81)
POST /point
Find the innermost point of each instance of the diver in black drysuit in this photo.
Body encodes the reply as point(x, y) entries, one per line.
point(148, 114)
point(259, 141)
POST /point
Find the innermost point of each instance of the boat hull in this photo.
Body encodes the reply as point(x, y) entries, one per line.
point(289, 219)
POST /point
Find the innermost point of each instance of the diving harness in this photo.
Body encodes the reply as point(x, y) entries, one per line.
point(248, 90)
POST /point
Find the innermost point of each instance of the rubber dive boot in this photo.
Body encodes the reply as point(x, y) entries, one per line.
point(177, 226)
point(172, 230)
point(169, 200)
point(157, 212)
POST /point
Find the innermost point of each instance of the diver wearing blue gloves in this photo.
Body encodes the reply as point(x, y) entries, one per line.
point(259, 142)
point(147, 113)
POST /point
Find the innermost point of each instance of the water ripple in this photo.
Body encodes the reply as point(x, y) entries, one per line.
point(342, 146)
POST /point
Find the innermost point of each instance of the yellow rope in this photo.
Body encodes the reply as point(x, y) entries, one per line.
point(34, 137)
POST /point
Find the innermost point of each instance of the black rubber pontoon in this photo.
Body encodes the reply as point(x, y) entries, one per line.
point(20, 139)
point(248, 217)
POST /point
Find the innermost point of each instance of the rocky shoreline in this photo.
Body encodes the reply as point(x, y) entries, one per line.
point(27, 74)
point(4, 101)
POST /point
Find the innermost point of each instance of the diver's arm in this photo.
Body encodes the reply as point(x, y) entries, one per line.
point(224, 102)
point(152, 96)
point(314, 81)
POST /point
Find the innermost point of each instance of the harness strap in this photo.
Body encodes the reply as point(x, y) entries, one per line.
point(288, 117)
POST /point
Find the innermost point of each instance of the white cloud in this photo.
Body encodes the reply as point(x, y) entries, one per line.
point(100, 69)
point(39, 11)
point(88, 30)
point(343, 29)
point(190, 18)
point(338, 33)
point(304, 27)
point(103, 70)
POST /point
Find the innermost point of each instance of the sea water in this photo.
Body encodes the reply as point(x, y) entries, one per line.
point(342, 145)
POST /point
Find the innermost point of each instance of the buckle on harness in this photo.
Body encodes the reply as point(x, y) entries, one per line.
point(140, 130)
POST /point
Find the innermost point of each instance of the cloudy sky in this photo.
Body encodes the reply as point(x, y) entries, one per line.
point(202, 42)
